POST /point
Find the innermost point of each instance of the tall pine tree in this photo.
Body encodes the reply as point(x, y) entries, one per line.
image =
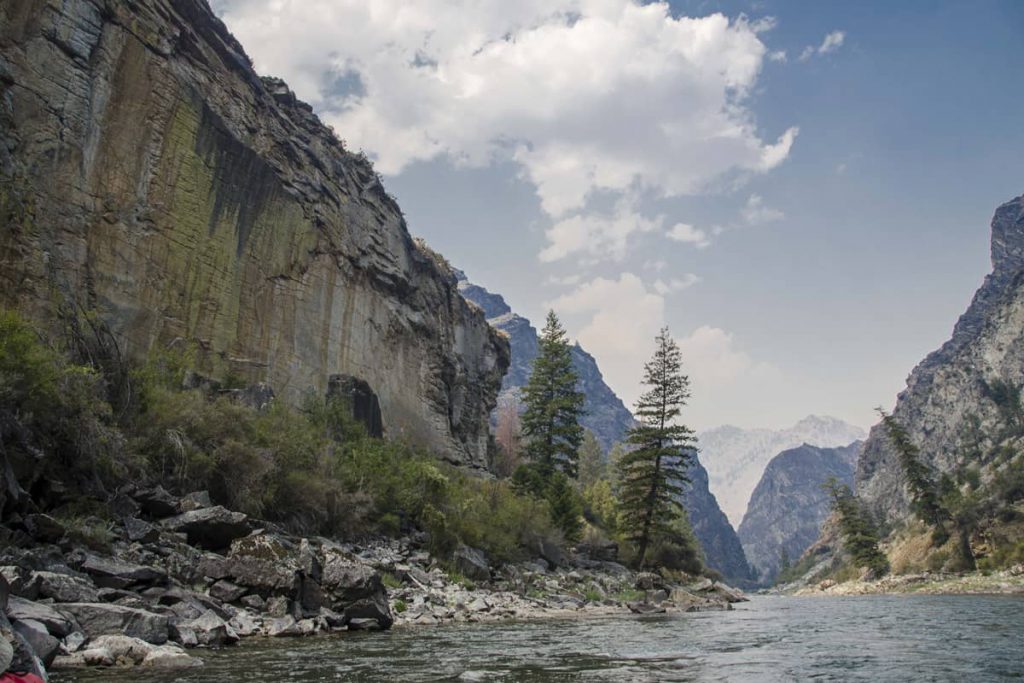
point(553, 404)
point(651, 476)
point(592, 465)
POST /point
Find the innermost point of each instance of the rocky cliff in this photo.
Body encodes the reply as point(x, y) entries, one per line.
point(789, 506)
point(736, 457)
point(149, 178)
point(722, 549)
point(947, 390)
point(605, 415)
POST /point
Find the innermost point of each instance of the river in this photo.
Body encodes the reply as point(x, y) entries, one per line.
point(864, 638)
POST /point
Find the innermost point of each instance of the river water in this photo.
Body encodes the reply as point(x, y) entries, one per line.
point(878, 638)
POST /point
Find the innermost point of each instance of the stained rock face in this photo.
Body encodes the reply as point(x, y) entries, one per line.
point(948, 386)
point(789, 505)
point(150, 175)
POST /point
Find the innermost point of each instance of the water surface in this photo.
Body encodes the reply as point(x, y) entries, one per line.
point(863, 638)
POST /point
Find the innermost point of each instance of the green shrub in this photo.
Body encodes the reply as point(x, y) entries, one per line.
point(400, 606)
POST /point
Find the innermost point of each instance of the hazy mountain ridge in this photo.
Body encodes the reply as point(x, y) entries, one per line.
point(736, 458)
point(789, 506)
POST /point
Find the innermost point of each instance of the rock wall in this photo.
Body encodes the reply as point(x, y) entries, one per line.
point(722, 549)
point(789, 506)
point(147, 174)
point(948, 386)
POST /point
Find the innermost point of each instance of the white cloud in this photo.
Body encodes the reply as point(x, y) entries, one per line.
point(684, 232)
point(675, 284)
point(586, 95)
point(599, 236)
point(830, 43)
point(778, 56)
point(756, 212)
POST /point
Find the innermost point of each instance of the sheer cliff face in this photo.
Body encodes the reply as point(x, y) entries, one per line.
point(722, 549)
point(148, 174)
point(789, 506)
point(947, 387)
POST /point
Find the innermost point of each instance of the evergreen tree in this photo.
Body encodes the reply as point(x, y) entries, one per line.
point(651, 476)
point(860, 537)
point(553, 404)
point(592, 467)
point(924, 494)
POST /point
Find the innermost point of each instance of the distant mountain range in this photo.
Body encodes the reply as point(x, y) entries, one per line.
point(736, 458)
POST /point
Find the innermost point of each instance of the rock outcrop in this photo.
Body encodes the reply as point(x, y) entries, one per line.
point(735, 458)
point(723, 551)
point(605, 415)
point(948, 389)
point(149, 179)
point(789, 506)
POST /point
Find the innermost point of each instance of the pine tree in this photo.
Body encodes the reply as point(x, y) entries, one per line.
point(592, 467)
point(553, 404)
point(860, 537)
point(651, 476)
point(924, 493)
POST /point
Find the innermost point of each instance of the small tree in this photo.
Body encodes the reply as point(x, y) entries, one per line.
point(507, 434)
point(924, 494)
point(651, 476)
point(592, 466)
point(860, 538)
point(553, 404)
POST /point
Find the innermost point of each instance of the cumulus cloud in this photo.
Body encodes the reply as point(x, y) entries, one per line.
point(684, 232)
point(756, 212)
point(585, 95)
point(830, 43)
point(675, 284)
point(600, 236)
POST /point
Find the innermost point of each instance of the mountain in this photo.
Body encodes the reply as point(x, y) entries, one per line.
point(723, 551)
point(154, 183)
point(605, 415)
point(948, 407)
point(789, 506)
point(735, 458)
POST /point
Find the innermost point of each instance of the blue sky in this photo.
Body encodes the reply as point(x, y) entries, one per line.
point(829, 226)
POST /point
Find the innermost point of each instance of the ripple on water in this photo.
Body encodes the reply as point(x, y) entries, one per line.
point(864, 638)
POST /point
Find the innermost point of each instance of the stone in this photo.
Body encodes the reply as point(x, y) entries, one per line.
point(20, 582)
point(182, 635)
point(283, 626)
point(225, 591)
point(156, 502)
point(197, 500)
point(471, 563)
point(277, 606)
point(73, 641)
point(66, 588)
point(110, 573)
point(44, 528)
point(57, 623)
point(102, 619)
point(92, 656)
point(38, 637)
point(139, 531)
point(645, 608)
point(253, 602)
point(210, 528)
point(244, 624)
point(211, 630)
point(167, 657)
point(646, 581)
point(265, 564)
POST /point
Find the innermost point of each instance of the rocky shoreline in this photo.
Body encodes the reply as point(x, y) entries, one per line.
point(1005, 582)
point(174, 575)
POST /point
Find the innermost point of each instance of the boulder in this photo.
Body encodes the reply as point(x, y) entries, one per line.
point(211, 630)
point(91, 656)
point(44, 528)
point(471, 563)
point(110, 573)
point(649, 581)
point(102, 619)
point(65, 587)
point(156, 502)
point(18, 581)
point(170, 657)
point(139, 531)
point(645, 608)
point(39, 639)
point(225, 591)
point(57, 623)
point(212, 528)
point(265, 564)
point(131, 651)
point(354, 589)
point(551, 552)
point(283, 627)
point(196, 500)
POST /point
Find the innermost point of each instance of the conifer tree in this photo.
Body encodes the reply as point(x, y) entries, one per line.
point(553, 404)
point(651, 476)
point(860, 537)
point(592, 466)
point(924, 494)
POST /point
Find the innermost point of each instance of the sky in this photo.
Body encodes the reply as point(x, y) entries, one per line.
point(800, 191)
